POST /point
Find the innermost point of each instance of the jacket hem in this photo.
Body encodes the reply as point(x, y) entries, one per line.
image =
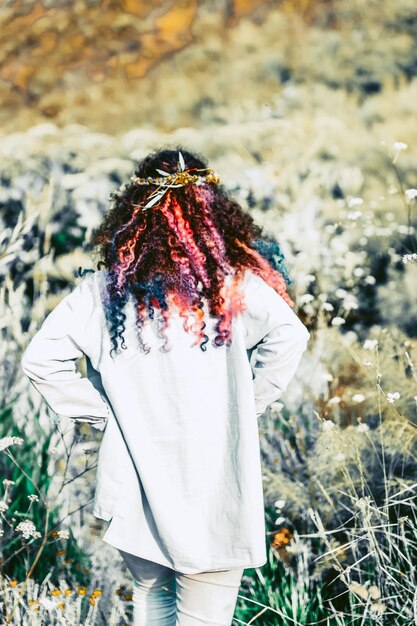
point(102, 514)
point(186, 569)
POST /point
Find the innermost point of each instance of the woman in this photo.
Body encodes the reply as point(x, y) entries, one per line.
point(189, 335)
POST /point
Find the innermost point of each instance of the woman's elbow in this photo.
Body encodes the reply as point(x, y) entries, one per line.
point(307, 334)
point(28, 363)
point(301, 334)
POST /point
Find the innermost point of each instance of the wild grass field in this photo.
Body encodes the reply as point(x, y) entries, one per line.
point(307, 110)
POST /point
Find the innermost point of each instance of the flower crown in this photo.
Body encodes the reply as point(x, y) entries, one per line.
point(181, 178)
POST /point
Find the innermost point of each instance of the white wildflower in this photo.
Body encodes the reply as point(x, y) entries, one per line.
point(335, 400)
point(354, 201)
point(327, 306)
point(378, 607)
point(8, 483)
point(410, 194)
point(350, 302)
point(351, 337)
point(399, 145)
point(47, 603)
point(362, 427)
point(279, 520)
point(63, 534)
point(1, 532)
point(328, 425)
point(6, 442)
point(341, 293)
point(3, 506)
point(358, 397)
point(353, 215)
point(338, 321)
point(409, 258)
point(28, 529)
point(279, 504)
point(340, 457)
point(370, 280)
point(392, 396)
point(327, 376)
point(305, 298)
point(404, 229)
point(370, 344)
point(33, 497)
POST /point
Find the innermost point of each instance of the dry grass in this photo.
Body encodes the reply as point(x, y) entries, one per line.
point(326, 167)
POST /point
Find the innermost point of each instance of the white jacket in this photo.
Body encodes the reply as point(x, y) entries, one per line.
point(179, 468)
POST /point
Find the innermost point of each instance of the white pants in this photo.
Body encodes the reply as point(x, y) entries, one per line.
point(165, 597)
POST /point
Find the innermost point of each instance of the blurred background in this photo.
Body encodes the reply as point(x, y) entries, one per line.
point(307, 109)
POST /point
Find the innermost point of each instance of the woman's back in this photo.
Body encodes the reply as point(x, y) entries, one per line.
point(179, 470)
point(188, 335)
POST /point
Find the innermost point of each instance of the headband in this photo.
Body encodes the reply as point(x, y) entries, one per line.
point(180, 178)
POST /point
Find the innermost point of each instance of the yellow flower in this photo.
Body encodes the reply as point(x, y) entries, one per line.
point(282, 538)
point(56, 592)
point(92, 601)
point(61, 606)
point(82, 591)
point(96, 593)
point(12, 583)
point(68, 592)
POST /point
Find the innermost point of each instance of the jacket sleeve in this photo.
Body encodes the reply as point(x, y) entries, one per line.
point(49, 359)
point(275, 339)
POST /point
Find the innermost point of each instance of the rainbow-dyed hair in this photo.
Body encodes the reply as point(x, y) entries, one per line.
point(178, 253)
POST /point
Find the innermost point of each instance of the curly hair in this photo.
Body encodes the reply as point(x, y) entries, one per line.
point(177, 254)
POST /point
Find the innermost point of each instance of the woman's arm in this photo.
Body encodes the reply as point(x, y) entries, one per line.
point(277, 358)
point(49, 359)
point(276, 339)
